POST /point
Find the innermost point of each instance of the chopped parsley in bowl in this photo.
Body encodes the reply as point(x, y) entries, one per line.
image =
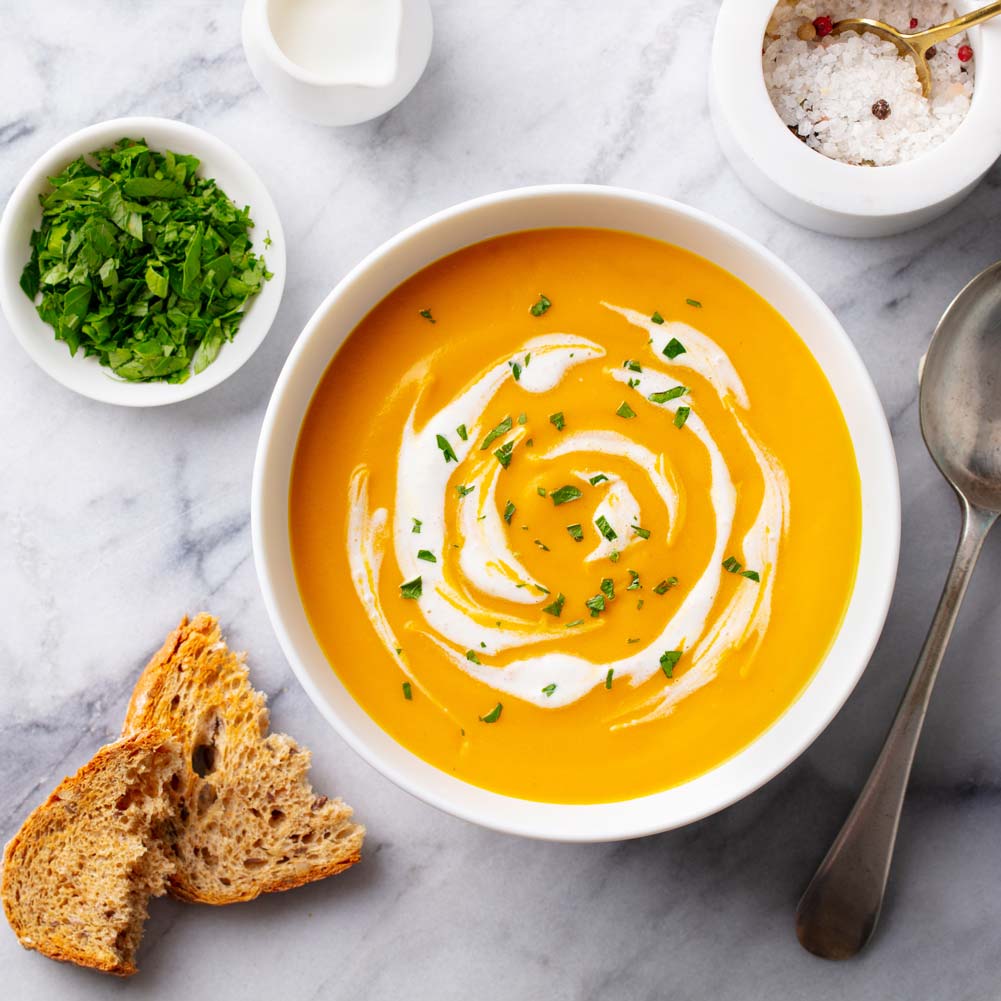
point(138, 276)
point(141, 263)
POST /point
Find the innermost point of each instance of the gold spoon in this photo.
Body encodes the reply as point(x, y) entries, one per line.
point(917, 43)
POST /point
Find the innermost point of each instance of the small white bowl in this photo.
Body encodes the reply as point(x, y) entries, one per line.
point(824, 194)
point(23, 214)
point(336, 98)
point(612, 208)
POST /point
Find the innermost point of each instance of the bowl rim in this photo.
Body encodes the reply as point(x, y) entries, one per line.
point(600, 822)
point(35, 336)
point(933, 178)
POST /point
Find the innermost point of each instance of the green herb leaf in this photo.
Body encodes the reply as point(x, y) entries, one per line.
point(509, 510)
point(614, 555)
point(556, 607)
point(462, 432)
point(665, 585)
point(595, 480)
point(523, 418)
point(634, 581)
point(668, 394)
point(549, 689)
point(427, 556)
point(643, 533)
point(417, 526)
point(412, 588)
point(632, 639)
point(541, 491)
point(446, 449)
point(408, 692)
point(497, 432)
point(606, 530)
point(471, 655)
point(657, 318)
point(694, 302)
point(564, 495)
point(557, 420)
point(540, 306)
point(608, 588)
point(674, 348)
point(426, 313)
point(596, 604)
point(576, 622)
point(681, 415)
point(493, 715)
point(625, 410)
point(668, 660)
point(732, 565)
point(633, 366)
point(576, 532)
point(608, 677)
point(503, 454)
point(515, 370)
point(633, 383)
point(463, 490)
point(542, 546)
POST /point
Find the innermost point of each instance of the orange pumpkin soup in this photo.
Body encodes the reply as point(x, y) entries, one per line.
point(574, 515)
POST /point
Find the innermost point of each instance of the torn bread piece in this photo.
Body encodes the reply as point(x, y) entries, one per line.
point(78, 875)
point(248, 821)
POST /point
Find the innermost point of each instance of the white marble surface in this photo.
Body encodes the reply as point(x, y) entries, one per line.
point(114, 522)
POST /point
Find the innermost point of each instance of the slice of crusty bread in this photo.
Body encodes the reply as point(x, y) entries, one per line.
point(79, 873)
point(248, 820)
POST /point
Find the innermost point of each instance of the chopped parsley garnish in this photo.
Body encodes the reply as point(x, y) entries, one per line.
point(576, 532)
point(667, 661)
point(633, 366)
point(634, 581)
point(528, 358)
point(462, 432)
point(625, 410)
point(541, 491)
point(529, 442)
point(556, 608)
point(411, 589)
point(503, 454)
point(665, 585)
point(614, 555)
point(609, 676)
point(633, 383)
point(557, 420)
point(657, 318)
point(633, 639)
point(674, 348)
point(542, 545)
point(643, 533)
point(417, 526)
point(668, 394)
point(523, 418)
point(732, 565)
point(606, 530)
point(541, 589)
point(408, 693)
point(446, 449)
point(576, 622)
point(694, 302)
point(427, 556)
point(549, 689)
point(493, 715)
point(565, 494)
point(608, 588)
point(464, 490)
point(509, 510)
point(541, 306)
point(515, 370)
point(596, 605)
point(426, 313)
point(471, 656)
point(639, 605)
point(501, 429)
point(681, 415)
point(595, 480)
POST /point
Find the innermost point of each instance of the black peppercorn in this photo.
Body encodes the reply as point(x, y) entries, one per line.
point(881, 109)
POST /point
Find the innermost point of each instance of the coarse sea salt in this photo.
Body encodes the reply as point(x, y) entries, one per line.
point(829, 90)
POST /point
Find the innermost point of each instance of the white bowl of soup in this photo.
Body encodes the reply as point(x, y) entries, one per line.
point(576, 512)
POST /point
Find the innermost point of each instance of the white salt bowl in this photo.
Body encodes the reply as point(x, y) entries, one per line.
point(823, 194)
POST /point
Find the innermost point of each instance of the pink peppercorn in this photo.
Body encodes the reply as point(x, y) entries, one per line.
point(824, 26)
point(965, 53)
point(914, 23)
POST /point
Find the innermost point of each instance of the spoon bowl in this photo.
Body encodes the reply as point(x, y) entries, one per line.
point(961, 392)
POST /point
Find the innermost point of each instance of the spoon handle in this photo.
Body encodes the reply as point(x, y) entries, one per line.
point(943, 31)
point(838, 912)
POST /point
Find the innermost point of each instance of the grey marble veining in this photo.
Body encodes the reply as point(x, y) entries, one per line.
point(113, 522)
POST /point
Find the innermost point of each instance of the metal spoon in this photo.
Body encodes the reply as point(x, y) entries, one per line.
point(960, 405)
point(917, 43)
